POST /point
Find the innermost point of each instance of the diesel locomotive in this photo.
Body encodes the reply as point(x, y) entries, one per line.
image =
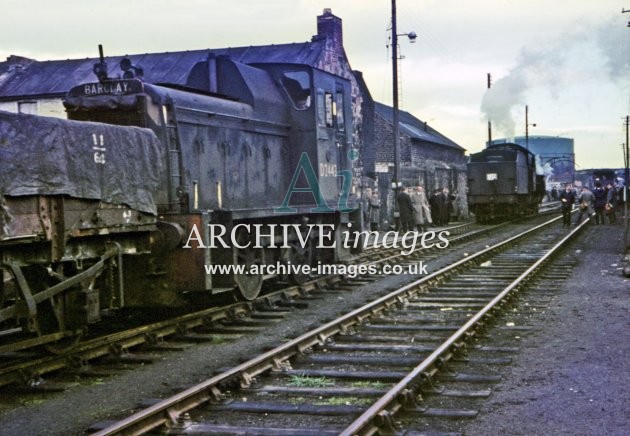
point(503, 183)
point(115, 207)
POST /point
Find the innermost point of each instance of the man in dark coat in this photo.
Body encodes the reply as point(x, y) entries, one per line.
point(586, 205)
point(374, 211)
point(600, 202)
point(437, 203)
point(447, 206)
point(405, 208)
point(567, 199)
point(611, 203)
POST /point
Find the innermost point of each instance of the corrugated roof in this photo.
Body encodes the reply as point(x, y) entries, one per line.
point(413, 127)
point(58, 76)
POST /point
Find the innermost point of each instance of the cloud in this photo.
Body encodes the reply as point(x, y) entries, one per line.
point(552, 65)
point(613, 41)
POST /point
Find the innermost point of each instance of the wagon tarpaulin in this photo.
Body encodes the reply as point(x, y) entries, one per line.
point(51, 156)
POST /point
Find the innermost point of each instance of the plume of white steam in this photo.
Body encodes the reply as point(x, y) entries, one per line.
point(545, 66)
point(613, 41)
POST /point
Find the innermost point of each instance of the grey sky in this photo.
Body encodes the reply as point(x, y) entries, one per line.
point(567, 60)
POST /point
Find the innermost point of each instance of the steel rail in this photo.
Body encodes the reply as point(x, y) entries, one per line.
point(168, 410)
point(102, 346)
point(386, 258)
point(376, 248)
point(378, 414)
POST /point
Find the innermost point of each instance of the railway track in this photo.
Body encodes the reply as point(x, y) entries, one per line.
point(375, 253)
point(367, 371)
point(19, 364)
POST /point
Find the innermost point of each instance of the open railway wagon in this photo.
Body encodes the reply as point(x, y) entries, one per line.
point(504, 182)
point(75, 199)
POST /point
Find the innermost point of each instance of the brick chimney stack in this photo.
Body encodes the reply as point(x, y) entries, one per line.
point(329, 26)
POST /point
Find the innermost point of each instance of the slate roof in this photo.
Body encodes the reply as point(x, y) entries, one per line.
point(20, 77)
point(414, 128)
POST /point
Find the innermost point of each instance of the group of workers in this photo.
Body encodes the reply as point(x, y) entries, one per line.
point(416, 211)
point(601, 202)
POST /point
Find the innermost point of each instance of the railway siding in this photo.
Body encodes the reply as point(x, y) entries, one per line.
point(402, 395)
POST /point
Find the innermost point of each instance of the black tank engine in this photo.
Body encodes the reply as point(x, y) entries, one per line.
point(503, 183)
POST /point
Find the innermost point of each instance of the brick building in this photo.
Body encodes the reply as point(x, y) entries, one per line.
point(427, 158)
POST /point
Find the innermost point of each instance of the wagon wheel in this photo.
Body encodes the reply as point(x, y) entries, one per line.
point(51, 320)
point(9, 297)
point(52, 317)
point(249, 285)
point(64, 314)
point(299, 256)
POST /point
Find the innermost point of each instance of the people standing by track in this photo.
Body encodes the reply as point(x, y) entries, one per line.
point(426, 207)
point(585, 202)
point(374, 210)
point(611, 203)
point(567, 199)
point(599, 194)
point(365, 207)
point(405, 209)
point(420, 208)
point(447, 206)
point(436, 202)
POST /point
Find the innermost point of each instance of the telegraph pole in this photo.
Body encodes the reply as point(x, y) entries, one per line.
point(395, 116)
point(489, 122)
point(626, 196)
point(527, 127)
point(396, 128)
point(626, 176)
point(527, 124)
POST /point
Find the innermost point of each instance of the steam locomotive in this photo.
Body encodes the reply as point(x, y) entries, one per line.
point(503, 182)
point(123, 204)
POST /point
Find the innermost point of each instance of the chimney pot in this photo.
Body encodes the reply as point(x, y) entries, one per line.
point(329, 26)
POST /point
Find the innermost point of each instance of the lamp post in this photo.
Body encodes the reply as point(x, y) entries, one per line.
point(626, 192)
point(396, 129)
point(527, 127)
point(626, 199)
